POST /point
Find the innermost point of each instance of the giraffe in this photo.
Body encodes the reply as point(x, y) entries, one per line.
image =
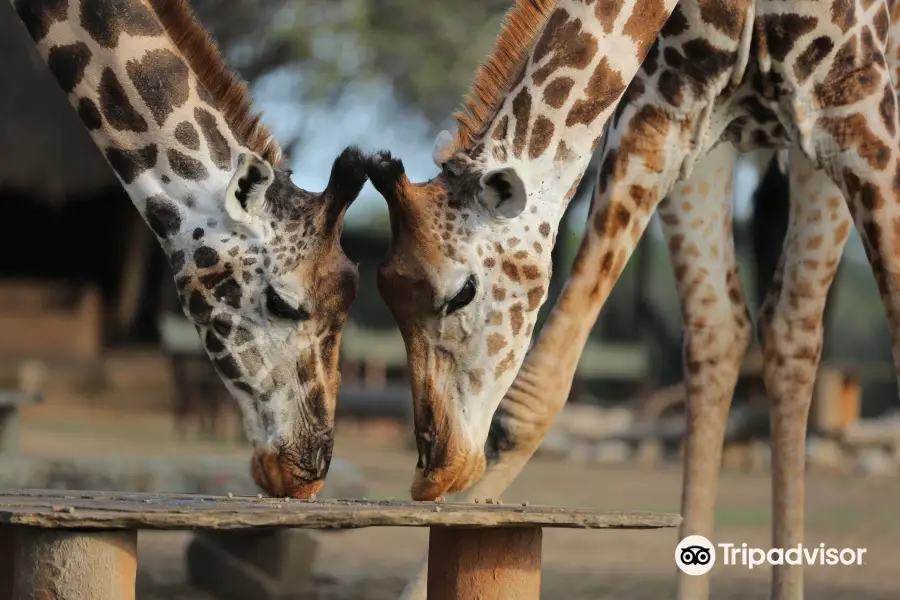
point(469, 263)
point(257, 261)
point(812, 77)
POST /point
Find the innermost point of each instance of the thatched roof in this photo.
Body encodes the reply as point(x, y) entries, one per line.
point(45, 149)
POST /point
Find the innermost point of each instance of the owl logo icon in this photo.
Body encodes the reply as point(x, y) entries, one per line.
point(695, 555)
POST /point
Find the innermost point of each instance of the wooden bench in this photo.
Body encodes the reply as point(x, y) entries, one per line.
point(485, 551)
point(10, 401)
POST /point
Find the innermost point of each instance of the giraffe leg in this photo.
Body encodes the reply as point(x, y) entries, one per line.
point(790, 330)
point(696, 219)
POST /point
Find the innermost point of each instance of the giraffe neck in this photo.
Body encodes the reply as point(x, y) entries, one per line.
point(548, 124)
point(144, 106)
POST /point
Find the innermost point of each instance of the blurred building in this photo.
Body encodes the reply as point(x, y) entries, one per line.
point(78, 269)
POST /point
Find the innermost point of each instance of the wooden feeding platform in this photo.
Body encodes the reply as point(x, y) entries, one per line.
point(485, 551)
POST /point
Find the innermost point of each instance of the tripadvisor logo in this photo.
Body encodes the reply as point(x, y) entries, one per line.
point(695, 555)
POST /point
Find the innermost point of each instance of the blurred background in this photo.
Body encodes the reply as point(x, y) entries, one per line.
point(104, 385)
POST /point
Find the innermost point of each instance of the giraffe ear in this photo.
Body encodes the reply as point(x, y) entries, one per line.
point(441, 145)
point(246, 192)
point(503, 192)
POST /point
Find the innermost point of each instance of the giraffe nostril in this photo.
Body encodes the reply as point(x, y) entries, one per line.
point(425, 448)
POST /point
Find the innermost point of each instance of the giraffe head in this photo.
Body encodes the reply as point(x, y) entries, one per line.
point(257, 260)
point(468, 268)
point(268, 288)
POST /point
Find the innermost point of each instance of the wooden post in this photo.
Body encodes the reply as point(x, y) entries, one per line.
point(71, 564)
point(7, 568)
point(488, 564)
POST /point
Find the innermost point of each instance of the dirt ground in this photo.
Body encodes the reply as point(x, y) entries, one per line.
point(373, 563)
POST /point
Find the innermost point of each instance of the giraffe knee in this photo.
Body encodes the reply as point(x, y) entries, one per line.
point(791, 351)
point(716, 342)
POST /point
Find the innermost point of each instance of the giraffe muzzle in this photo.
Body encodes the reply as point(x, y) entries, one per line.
point(445, 466)
point(279, 475)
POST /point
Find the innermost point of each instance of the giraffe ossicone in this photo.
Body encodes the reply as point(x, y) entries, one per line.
point(257, 260)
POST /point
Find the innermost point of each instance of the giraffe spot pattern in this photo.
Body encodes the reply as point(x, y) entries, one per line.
point(887, 109)
point(39, 15)
point(705, 63)
point(566, 44)
point(510, 270)
point(727, 17)
point(228, 367)
point(557, 91)
point(212, 342)
point(89, 114)
point(646, 19)
point(521, 107)
point(847, 83)
point(186, 167)
point(881, 22)
point(229, 292)
point(252, 362)
point(517, 318)
point(206, 257)
point(211, 280)
point(541, 137)
point(222, 325)
point(606, 12)
point(843, 14)
point(67, 63)
point(784, 30)
point(853, 130)
point(219, 150)
point(812, 56)
point(116, 106)
point(163, 217)
point(505, 365)
point(187, 135)
point(199, 309)
point(535, 296)
point(161, 79)
point(130, 164)
point(495, 343)
point(106, 20)
point(603, 88)
point(500, 129)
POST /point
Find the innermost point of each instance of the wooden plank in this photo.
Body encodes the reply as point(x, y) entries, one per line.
point(488, 564)
point(118, 510)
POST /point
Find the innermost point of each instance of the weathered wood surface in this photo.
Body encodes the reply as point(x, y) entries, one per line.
point(120, 510)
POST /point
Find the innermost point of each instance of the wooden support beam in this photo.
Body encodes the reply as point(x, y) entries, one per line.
point(60, 564)
point(488, 564)
point(7, 554)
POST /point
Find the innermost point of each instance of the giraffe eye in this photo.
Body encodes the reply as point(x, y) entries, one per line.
point(462, 298)
point(278, 307)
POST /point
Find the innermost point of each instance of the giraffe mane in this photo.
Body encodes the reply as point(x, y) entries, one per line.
point(521, 27)
point(231, 95)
